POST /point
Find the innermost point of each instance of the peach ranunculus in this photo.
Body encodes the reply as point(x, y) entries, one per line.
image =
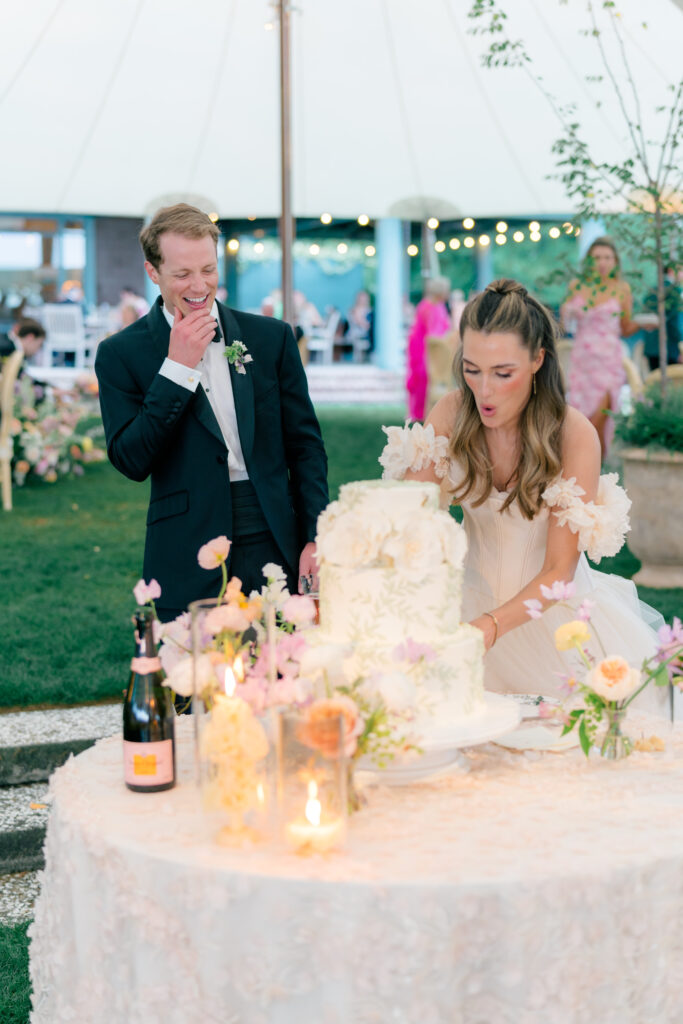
point(214, 553)
point(319, 729)
point(571, 634)
point(613, 678)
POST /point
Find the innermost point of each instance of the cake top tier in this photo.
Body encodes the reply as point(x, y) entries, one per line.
point(389, 523)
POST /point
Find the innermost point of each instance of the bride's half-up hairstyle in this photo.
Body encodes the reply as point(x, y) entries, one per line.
point(506, 307)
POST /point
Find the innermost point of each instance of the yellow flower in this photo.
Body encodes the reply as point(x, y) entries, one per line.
point(571, 634)
point(87, 444)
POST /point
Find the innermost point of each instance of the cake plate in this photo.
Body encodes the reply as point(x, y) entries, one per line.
point(441, 748)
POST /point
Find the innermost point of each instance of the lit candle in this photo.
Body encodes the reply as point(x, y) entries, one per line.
point(312, 832)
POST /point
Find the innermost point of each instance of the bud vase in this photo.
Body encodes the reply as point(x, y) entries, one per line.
point(615, 745)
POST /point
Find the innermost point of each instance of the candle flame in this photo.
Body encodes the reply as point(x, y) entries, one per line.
point(229, 681)
point(260, 793)
point(238, 669)
point(313, 807)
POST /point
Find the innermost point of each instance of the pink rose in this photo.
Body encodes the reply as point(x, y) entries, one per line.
point(214, 553)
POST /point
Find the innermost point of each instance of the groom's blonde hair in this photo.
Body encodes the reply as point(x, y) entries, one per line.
point(506, 307)
point(181, 219)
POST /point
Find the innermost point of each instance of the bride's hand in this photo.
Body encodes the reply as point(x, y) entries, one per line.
point(488, 627)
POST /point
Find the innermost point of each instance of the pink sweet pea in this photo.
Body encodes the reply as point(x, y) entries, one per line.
point(585, 609)
point(214, 553)
point(559, 591)
point(534, 608)
point(670, 641)
point(144, 592)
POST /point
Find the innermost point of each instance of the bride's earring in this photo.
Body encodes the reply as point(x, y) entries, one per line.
point(534, 380)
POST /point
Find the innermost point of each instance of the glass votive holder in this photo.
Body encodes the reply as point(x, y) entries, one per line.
point(311, 782)
point(235, 748)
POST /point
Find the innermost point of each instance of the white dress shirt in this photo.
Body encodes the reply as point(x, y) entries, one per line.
point(213, 372)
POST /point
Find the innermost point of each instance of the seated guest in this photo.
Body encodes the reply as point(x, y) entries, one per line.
point(26, 336)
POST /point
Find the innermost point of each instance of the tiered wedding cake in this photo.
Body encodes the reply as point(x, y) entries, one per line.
point(391, 570)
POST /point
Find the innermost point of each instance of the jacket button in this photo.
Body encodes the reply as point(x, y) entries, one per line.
point(221, 460)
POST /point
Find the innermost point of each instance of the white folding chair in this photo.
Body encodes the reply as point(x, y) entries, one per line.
point(66, 343)
point(322, 341)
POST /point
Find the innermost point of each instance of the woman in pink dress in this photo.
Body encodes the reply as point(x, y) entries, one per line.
point(599, 306)
point(432, 320)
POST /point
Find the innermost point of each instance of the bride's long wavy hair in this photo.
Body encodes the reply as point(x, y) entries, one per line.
point(506, 307)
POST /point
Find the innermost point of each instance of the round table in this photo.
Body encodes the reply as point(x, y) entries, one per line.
point(533, 889)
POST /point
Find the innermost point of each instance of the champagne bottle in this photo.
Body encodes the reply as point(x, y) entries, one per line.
point(148, 716)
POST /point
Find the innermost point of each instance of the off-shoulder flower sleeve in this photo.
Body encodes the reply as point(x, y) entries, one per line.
point(413, 447)
point(602, 524)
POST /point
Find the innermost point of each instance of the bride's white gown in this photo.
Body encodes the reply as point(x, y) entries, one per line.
point(506, 551)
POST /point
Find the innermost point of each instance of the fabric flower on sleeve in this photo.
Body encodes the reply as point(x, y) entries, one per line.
point(602, 524)
point(413, 447)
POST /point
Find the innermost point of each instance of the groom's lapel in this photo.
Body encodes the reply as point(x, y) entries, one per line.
point(242, 385)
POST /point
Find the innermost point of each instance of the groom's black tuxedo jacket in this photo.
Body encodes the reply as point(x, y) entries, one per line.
point(160, 429)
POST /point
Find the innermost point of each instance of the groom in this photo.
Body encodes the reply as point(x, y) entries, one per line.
point(212, 404)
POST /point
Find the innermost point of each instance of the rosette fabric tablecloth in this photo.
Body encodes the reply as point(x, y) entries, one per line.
point(534, 889)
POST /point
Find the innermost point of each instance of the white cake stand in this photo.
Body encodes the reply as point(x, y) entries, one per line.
point(441, 748)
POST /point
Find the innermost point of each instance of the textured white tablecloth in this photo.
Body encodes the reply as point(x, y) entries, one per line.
point(536, 889)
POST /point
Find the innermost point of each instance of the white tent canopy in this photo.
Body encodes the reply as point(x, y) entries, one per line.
point(117, 106)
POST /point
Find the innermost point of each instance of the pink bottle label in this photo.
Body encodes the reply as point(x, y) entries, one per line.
point(148, 764)
point(144, 665)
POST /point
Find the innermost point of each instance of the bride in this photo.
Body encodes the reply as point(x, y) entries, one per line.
point(525, 468)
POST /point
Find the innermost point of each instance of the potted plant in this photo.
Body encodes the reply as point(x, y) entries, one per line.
point(651, 437)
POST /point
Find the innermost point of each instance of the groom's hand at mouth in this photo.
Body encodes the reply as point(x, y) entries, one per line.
point(190, 336)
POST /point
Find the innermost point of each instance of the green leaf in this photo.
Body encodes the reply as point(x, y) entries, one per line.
point(584, 738)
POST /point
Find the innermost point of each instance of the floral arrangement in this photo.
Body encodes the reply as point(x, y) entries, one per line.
point(265, 649)
point(609, 684)
point(51, 433)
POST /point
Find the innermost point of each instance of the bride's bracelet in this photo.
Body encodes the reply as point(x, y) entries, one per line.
point(495, 624)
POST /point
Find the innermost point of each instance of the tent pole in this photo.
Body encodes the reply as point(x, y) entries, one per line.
point(286, 223)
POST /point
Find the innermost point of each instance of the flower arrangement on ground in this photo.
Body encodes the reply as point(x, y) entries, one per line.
point(53, 432)
point(608, 684)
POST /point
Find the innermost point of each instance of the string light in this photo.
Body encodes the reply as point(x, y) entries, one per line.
point(440, 246)
point(259, 247)
point(568, 228)
point(342, 248)
point(433, 223)
point(468, 223)
point(469, 242)
point(534, 225)
point(370, 250)
point(501, 239)
point(577, 232)
point(251, 218)
point(213, 217)
point(484, 240)
point(518, 236)
point(535, 236)
point(454, 243)
point(363, 220)
point(501, 226)
point(554, 232)
point(269, 26)
point(326, 218)
point(412, 250)
point(233, 245)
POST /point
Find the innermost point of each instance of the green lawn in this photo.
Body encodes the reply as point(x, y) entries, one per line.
point(72, 551)
point(15, 987)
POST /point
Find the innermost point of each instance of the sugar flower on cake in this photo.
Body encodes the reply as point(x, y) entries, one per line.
point(417, 547)
point(354, 540)
point(413, 652)
point(453, 539)
point(395, 690)
point(613, 678)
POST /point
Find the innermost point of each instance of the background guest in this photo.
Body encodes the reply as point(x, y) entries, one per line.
point(432, 319)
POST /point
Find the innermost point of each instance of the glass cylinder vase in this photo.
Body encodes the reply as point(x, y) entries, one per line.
point(312, 776)
point(615, 745)
point(235, 748)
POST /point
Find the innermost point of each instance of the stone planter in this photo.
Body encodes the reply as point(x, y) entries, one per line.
point(654, 482)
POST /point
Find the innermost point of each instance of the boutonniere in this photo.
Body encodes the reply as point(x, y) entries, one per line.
point(237, 355)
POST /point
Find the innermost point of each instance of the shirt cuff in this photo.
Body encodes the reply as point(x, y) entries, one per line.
point(186, 376)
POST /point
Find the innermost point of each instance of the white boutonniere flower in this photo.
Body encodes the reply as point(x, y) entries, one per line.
point(237, 356)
